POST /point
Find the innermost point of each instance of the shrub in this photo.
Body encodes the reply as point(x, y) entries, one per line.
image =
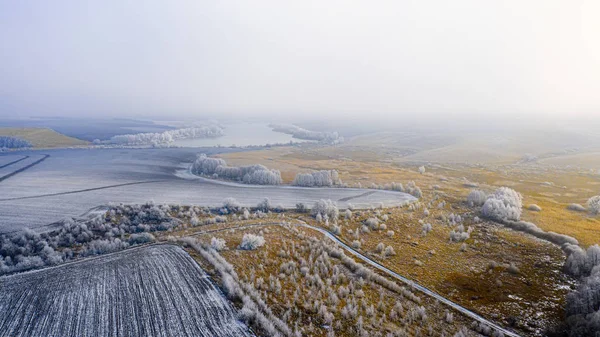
point(264, 205)
point(301, 208)
point(232, 205)
point(251, 242)
point(534, 208)
point(422, 169)
point(326, 208)
point(136, 239)
point(356, 244)
point(593, 205)
point(503, 204)
point(426, 228)
point(476, 198)
point(372, 223)
point(576, 208)
point(389, 251)
point(218, 244)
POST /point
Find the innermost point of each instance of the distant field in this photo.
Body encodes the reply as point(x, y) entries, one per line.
point(42, 137)
point(150, 291)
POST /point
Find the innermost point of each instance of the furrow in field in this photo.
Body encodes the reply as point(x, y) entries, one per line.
point(150, 291)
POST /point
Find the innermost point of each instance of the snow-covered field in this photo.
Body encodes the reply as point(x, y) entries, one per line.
point(71, 182)
point(149, 291)
point(16, 163)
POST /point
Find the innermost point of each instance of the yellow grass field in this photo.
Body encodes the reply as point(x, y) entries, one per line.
point(42, 138)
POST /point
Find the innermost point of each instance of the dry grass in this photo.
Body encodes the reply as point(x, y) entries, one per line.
point(296, 302)
point(42, 137)
point(570, 185)
point(530, 300)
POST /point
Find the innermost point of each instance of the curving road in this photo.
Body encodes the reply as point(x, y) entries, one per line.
point(386, 270)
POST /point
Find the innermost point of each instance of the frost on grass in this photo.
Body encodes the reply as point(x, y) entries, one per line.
point(503, 204)
point(153, 284)
point(252, 242)
point(252, 174)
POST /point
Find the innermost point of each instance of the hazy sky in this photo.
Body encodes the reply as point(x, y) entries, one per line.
point(300, 58)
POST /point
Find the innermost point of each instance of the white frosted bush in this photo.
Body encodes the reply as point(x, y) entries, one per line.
point(594, 205)
point(325, 178)
point(218, 244)
point(427, 228)
point(534, 208)
point(476, 198)
point(372, 223)
point(327, 208)
point(264, 205)
point(503, 204)
point(251, 242)
point(576, 208)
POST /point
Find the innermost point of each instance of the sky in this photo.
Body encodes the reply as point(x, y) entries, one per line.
point(382, 60)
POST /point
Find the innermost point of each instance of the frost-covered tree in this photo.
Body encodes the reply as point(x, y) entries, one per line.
point(593, 205)
point(327, 208)
point(13, 143)
point(252, 174)
point(503, 204)
point(422, 169)
point(166, 137)
point(300, 133)
point(232, 205)
point(264, 205)
point(476, 198)
point(251, 242)
point(324, 178)
point(301, 208)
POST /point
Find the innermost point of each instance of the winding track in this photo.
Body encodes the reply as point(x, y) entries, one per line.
point(384, 269)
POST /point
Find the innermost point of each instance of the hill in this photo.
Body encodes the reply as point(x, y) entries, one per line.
point(42, 137)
